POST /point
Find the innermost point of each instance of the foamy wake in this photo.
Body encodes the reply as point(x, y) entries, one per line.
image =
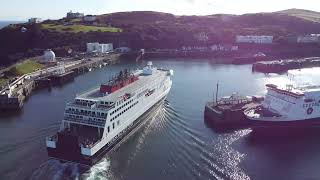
point(54, 169)
point(98, 171)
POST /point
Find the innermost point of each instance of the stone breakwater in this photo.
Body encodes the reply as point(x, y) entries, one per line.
point(280, 66)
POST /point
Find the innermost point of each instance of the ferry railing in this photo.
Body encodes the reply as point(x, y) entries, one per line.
point(85, 122)
point(87, 91)
point(52, 138)
point(85, 114)
point(91, 145)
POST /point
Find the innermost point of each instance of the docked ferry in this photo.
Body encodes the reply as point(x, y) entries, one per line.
point(296, 107)
point(99, 118)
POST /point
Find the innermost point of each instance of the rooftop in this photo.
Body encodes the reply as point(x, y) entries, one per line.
point(95, 95)
point(296, 91)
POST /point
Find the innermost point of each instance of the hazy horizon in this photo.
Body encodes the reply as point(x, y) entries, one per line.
point(16, 10)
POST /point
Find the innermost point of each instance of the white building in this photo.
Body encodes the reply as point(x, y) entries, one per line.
point(201, 36)
point(34, 20)
point(123, 50)
point(223, 47)
point(49, 56)
point(234, 48)
point(255, 39)
point(100, 48)
point(23, 29)
point(72, 15)
point(310, 38)
point(89, 18)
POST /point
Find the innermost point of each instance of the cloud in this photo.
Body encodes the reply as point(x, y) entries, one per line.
point(190, 1)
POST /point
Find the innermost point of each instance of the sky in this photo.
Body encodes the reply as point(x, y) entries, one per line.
point(56, 9)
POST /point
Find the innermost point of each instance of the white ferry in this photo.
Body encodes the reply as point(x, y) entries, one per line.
point(287, 107)
point(99, 118)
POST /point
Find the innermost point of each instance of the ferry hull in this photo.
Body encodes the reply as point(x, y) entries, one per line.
point(228, 119)
point(284, 126)
point(69, 151)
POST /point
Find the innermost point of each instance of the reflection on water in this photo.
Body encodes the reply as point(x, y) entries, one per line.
point(173, 142)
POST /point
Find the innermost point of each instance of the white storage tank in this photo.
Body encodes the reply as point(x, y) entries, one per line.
point(49, 56)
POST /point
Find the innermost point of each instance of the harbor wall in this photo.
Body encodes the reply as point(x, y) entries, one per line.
point(281, 66)
point(245, 52)
point(23, 88)
point(16, 100)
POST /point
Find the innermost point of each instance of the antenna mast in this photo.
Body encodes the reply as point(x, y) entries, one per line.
point(213, 94)
point(217, 92)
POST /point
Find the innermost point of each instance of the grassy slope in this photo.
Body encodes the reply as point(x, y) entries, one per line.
point(3, 81)
point(78, 28)
point(27, 66)
point(301, 13)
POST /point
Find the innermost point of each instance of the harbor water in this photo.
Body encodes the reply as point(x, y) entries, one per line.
point(174, 142)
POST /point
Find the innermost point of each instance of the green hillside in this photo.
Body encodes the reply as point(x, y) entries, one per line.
point(147, 29)
point(78, 28)
point(305, 14)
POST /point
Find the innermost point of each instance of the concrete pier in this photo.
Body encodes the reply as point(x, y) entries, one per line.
point(281, 66)
point(13, 98)
point(14, 95)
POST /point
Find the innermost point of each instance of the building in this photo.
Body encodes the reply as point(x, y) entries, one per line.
point(89, 18)
point(100, 48)
point(123, 50)
point(23, 29)
point(34, 20)
point(255, 39)
point(310, 38)
point(49, 56)
point(72, 15)
point(201, 36)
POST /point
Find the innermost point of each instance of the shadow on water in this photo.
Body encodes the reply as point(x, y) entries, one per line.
point(7, 114)
point(220, 129)
point(283, 135)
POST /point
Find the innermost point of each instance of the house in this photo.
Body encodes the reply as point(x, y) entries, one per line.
point(255, 39)
point(201, 36)
point(310, 38)
point(23, 29)
point(34, 20)
point(99, 48)
point(123, 50)
point(72, 15)
point(234, 48)
point(219, 47)
point(89, 18)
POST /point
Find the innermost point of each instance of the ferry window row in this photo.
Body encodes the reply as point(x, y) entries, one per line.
point(310, 105)
point(121, 107)
point(93, 121)
point(106, 103)
point(89, 113)
point(125, 110)
point(84, 102)
point(113, 126)
point(125, 98)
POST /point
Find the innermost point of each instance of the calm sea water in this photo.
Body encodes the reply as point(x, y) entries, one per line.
point(174, 142)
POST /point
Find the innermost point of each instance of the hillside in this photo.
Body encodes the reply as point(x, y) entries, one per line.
point(301, 13)
point(146, 29)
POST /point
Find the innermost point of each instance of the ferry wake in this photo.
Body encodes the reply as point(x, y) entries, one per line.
point(98, 119)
